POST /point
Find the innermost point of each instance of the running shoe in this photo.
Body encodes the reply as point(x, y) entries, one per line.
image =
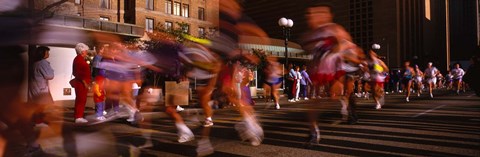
point(185, 137)
point(313, 139)
point(81, 120)
point(135, 117)
point(180, 109)
point(378, 106)
point(208, 123)
point(204, 147)
point(101, 118)
point(250, 130)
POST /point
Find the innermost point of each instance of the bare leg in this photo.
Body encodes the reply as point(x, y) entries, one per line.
point(274, 92)
point(205, 94)
point(267, 92)
point(409, 85)
point(349, 90)
point(184, 133)
point(314, 137)
point(430, 88)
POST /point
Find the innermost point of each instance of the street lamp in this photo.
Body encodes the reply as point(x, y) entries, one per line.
point(376, 47)
point(286, 24)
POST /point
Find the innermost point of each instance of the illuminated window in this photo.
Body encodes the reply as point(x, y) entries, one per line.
point(185, 10)
point(105, 4)
point(168, 25)
point(186, 29)
point(168, 7)
point(102, 18)
point(149, 25)
point(201, 32)
point(78, 1)
point(149, 4)
point(176, 8)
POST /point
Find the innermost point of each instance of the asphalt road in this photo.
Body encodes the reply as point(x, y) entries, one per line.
point(448, 125)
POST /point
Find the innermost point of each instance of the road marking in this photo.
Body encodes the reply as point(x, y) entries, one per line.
point(420, 114)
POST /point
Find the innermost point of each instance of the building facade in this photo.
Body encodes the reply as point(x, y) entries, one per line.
point(199, 16)
point(414, 30)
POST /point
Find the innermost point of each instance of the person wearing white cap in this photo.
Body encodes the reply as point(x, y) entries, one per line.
point(431, 77)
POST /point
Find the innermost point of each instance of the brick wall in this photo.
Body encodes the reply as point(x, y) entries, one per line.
point(159, 15)
point(92, 9)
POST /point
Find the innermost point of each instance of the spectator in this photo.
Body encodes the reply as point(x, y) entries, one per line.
point(290, 77)
point(38, 91)
point(81, 82)
point(304, 82)
point(296, 84)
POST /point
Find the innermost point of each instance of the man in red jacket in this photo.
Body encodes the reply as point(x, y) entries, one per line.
point(81, 71)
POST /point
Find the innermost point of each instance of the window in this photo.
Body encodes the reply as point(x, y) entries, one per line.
point(201, 13)
point(176, 8)
point(103, 18)
point(168, 25)
point(185, 9)
point(201, 32)
point(149, 4)
point(78, 1)
point(105, 4)
point(168, 7)
point(186, 29)
point(149, 25)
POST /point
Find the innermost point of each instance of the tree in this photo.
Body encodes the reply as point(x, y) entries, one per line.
point(47, 9)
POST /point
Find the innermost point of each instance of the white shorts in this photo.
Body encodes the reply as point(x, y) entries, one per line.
point(432, 80)
point(418, 79)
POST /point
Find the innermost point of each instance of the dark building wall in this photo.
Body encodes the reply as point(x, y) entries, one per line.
point(411, 29)
point(462, 29)
point(385, 31)
point(361, 22)
point(435, 35)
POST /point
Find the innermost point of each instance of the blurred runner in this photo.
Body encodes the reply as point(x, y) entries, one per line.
point(407, 79)
point(377, 70)
point(457, 74)
point(330, 46)
point(232, 25)
point(418, 80)
point(431, 74)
